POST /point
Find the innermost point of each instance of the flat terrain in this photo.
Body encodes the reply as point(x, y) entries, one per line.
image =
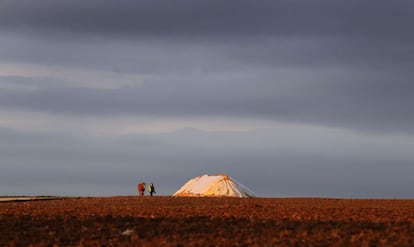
point(169, 221)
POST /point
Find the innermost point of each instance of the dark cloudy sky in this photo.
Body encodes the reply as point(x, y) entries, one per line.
point(290, 98)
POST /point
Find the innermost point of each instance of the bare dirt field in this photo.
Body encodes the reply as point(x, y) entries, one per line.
point(169, 221)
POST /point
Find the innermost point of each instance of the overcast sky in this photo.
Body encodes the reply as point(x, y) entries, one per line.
point(290, 98)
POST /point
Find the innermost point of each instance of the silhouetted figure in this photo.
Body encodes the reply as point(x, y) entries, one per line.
point(141, 189)
point(151, 188)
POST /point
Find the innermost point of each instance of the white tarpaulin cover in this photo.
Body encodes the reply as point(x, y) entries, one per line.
point(214, 185)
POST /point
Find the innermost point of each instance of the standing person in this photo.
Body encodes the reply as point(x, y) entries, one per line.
point(141, 188)
point(151, 188)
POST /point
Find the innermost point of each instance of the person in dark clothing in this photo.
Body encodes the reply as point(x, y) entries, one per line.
point(151, 188)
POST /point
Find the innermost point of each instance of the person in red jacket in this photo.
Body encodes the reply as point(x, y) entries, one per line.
point(141, 189)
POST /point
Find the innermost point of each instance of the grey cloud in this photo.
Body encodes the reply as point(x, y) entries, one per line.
point(130, 36)
point(374, 104)
point(186, 18)
point(30, 83)
point(298, 164)
point(345, 64)
point(165, 56)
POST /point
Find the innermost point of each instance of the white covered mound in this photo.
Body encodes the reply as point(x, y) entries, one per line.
point(215, 185)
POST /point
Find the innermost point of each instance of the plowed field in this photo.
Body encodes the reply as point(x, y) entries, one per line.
point(169, 221)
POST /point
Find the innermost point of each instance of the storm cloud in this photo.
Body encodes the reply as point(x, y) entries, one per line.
point(362, 105)
point(76, 73)
point(210, 18)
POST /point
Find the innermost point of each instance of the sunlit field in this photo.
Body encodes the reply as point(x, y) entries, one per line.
point(171, 221)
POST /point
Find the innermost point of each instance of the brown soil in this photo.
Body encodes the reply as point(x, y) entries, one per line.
point(169, 221)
